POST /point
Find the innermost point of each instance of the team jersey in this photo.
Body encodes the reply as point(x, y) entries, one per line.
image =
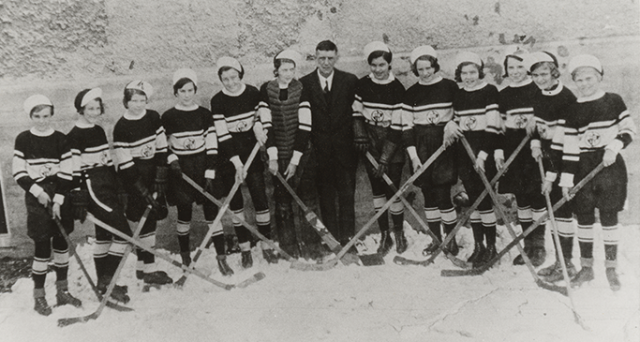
point(89, 148)
point(516, 111)
point(476, 112)
point(426, 105)
point(380, 104)
point(43, 157)
point(234, 114)
point(139, 138)
point(190, 131)
point(592, 124)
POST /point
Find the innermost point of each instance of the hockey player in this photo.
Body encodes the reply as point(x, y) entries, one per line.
point(193, 150)
point(234, 114)
point(285, 119)
point(427, 119)
point(377, 128)
point(42, 166)
point(597, 127)
point(476, 113)
point(141, 154)
point(523, 177)
point(96, 188)
point(550, 105)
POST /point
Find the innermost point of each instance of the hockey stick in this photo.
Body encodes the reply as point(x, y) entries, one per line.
point(423, 225)
point(322, 231)
point(73, 250)
point(501, 214)
point(403, 188)
point(63, 322)
point(556, 240)
point(218, 220)
point(541, 220)
point(461, 220)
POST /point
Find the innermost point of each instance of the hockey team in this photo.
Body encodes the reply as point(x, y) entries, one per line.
point(310, 133)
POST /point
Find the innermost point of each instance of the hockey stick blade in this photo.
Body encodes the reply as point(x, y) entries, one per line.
point(374, 259)
point(253, 279)
point(460, 273)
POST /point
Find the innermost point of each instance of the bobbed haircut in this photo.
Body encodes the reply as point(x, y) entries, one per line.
point(227, 68)
point(464, 64)
point(506, 64)
point(39, 108)
point(431, 59)
point(387, 56)
point(555, 73)
point(327, 45)
point(181, 83)
point(128, 95)
point(78, 101)
point(81, 110)
point(277, 63)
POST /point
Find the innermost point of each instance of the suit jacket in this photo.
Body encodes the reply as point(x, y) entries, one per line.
point(332, 133)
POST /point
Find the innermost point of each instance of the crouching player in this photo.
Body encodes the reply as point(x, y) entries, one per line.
point(42, 167)
point(597, 127)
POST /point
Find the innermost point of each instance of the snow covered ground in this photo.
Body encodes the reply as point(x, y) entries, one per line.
point(347, 303)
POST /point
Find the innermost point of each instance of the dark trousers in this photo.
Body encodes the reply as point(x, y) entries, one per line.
point(336, 189)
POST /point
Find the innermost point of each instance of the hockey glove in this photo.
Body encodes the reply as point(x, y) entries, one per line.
point(451, 133)
point(79, 203)
point(160, 184)
point(144, 192)
point(209, 185)
point(388, 151)
point(175, 169)
point(360, 139)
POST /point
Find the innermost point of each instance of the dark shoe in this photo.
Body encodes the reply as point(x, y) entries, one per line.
point(64, 298)
point(537, 256)
point(42, 307)
point(551, 269)
point(557, 273)
point(482, 256)
point(186, 258)
point(269, 255)
point(118, 294)
point(519, 260)
point(478, 251)
point(224, 268)
point(232, 245)
point(385, 243)
point(585, 275)
point(489, 254)
point(401, 241)
point(612, 277)
point(452, 247)
point(431, 248)
point(157, 277)
point(247, 260)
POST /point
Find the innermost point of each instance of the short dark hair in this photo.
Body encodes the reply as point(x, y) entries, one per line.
point(327, 45)
point(227, 68)
point(388, 56)
point(433, 60)
point(78, 102)
point(181, 83)
point(277, 62)
point(464, 64)
point(505, 64)
point(81, 110)
point(128, 94)
point(39, 108)
point(553, 68)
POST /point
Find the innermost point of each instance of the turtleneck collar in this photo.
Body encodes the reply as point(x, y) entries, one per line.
point(37, 133)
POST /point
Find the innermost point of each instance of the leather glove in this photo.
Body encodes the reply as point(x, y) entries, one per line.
point(360, 139)
point(80, 204)
point(162, 175)
point(381, 170)
point(175, 169)
point(209, 186)
point(146, 194)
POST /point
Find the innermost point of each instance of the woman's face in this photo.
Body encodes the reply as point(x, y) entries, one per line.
point(426, 71)
point(286, 72)
point(186, 95)
point(42, 119)
point(380, 68)
point(92, 111)
point(470, 75)
point(231, 80)
point(587, 79)
point(516, 70)
point(137, 104)
point(542, 77)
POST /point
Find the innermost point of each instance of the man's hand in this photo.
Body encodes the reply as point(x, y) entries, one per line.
point(273, 167)
point(531, 126)
point(290, 171)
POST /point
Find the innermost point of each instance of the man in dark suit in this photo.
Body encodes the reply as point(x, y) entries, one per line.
point(331, 94)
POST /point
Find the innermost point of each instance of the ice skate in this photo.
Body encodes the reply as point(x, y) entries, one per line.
point(157, 278)
point(549, 270)
point(478, 251)
point(247, 259)
point(186, 258)
point(385, 243)
point(519, 260)
point(224, 268)
point(269, 255)
point(585, 275)
point(401, 241)
point(537, 256)
point(557, 275)
point(64, 298)
point(42, 307)
point(431, 248)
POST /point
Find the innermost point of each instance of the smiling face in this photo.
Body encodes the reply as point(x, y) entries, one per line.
point(92, 111)
point(42, 119)
point(587, 79)
point(380, 68)
point(326, 61)
point(231, 80)
point(542, 77)
point(286, 72)
point(137, 104)
point(516, 70)
point(426, 71)
point(186, 95)
point(470, 75)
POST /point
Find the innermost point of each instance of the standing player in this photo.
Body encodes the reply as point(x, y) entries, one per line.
point(377, 127)
point(523, 177)
point(42, 166)
point(597, 127)
point(141, 152)
point(427, 119)
point(550, 105)
point(475, 107)
point(194, 150)
point(234, 114)
point(96, 188)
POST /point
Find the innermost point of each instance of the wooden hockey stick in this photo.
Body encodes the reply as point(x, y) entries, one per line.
point(423, 225)
point(461, 220)
point(403, 189)
point(559, 252)
point(541, 220)
point(63, 322)
point(72, 249)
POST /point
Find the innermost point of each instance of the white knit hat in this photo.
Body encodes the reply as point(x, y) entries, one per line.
point(90, 96)
point(375, 46)
point(185, 73)
point(424, 50)
point(516, 51)
point(466, 56)
point(143, 86)
point(34, 101)
point(538, 57)
point(230, 62)
point(585, 61)
point(290, 54)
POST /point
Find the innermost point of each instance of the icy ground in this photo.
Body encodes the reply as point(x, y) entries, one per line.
point(347, 303)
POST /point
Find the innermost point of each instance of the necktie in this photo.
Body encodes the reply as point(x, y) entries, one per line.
point(326, 87)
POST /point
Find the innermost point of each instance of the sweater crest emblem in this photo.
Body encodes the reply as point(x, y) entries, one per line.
point(147, 151)
point(46, 170)
point(593, 138)
point(433, 117)
point(470, 123)
point(521, 121)
point(190, 144)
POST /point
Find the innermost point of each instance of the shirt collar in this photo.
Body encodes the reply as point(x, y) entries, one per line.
point(236, 94)
point(389, 79)
point(526, 82)
point(433, 81)
point(46, 133)
point(84, 125)
point(324, 80)
point(554, 91)
point(186, 109)
point(480, 85)
point(599, 94)
point(129, 116)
